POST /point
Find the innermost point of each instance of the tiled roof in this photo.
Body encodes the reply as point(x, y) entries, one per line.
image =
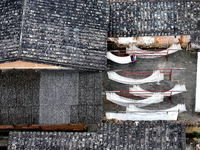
point(130, 18)
point(125, 135)
point(74, 33)
point(66, 33)
point(10, 29)
point(19, 98)
point(50, 97)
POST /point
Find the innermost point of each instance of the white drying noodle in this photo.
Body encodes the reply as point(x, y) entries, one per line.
point(138, 91)
point(178, 107)
point(117, 59)
point(127, 59)
point(153, 54)
point(123, 101)
point(134, 113)
point(143, 116)
point(155, 77)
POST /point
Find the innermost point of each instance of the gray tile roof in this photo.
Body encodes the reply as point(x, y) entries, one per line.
point(50, 97)
point(19, 101)
point(74, 33)
point(160, 135)
point(10, 29)
point(154, 18)
point(66, 33)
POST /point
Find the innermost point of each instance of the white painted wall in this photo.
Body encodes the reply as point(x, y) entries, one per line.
point(153, 40)
point(197, 102)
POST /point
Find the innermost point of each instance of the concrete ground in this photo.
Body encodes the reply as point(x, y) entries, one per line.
point(180, 59)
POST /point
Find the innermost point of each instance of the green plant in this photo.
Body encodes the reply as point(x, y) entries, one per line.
point(196, 134)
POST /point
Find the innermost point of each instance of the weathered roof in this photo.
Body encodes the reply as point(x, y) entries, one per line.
point(50, 97)
point(66, 33)
point(10, 29)
point(74, 33)
point(130, 18)
point(126, 135)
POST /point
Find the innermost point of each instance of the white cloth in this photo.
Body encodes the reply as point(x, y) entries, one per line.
point(123, 101)
point(135, 113)
point(148, 54)
point(155, 77)
point(117, 59)
point(138, 91)
point(146, 116)
point(153, 54)
point(178, 107)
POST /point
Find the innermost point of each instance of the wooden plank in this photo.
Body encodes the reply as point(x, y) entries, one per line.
point(63, 127)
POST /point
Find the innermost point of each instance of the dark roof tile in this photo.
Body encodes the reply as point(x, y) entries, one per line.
point(126, 135)
point(55, 32)
point(153, 18)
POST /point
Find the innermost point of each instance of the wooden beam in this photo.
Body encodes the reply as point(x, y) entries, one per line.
point(48, 127)
point(27, 65)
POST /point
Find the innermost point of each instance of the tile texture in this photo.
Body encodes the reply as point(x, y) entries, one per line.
point(160, 135)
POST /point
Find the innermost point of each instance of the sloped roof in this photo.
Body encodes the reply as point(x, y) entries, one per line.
point(10, 29)
point(66, 33)
point(126, 135)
